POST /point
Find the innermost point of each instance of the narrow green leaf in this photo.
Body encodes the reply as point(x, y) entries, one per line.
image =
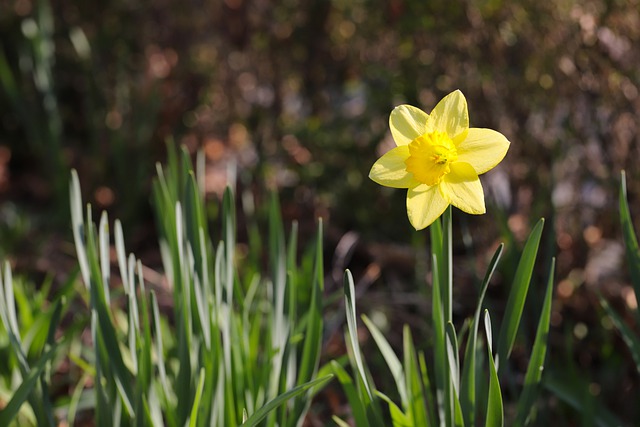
point(398, 418)
point(628, 335)
point(193, 417)
point(228, 233)
point(279, 325)
point(454, 376)
point(426, 386)
point(134, 320)
point(201, 311)
point(157, 331)
point(350, 306)
point(390, 357)
point(356, 404)
point(340, 422)
point(630, 238)
point(77, 224)
point(538, 353)
point(363, 379)
point(415, 389)
point(518, 295)
point(103, 252)
point(495, 412)
point(200, 173)
point(261, 413)
point(292, 271)
point(54, 320)
point(468, 381)
point(24, 390)
point(9, 318)
point(104, 414)
point(194, 220)
point(310, 358)
point(45, 378)
point(439, 346)
point(435, 238)
point(186, 169)
point(106, 324)
point(121, 254)
point(146, 344)
point(76, 397)
point(446, 263)
point(452, 356)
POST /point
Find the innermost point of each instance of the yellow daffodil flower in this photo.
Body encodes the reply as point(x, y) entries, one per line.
point(438, 159)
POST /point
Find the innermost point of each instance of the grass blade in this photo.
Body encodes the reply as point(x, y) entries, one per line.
point(439, 348)
point(495, 412)
point(628, 335)
point(630, 237)
point(446, 263)
point(426, 384)
point(77, 224)
point(538, 353)
point(518, 295)
point(193, 417)
point(310, 357)
point(261, 413)
point(340, 423)
point(398, 418)
point(468, 380)
point(362, 378)
point(356, 404)
point(394, 364)
point(350, 306)
point(452, 356)
point(22, 393)
point(413, 378)
point(454, 376)
point(106, 324)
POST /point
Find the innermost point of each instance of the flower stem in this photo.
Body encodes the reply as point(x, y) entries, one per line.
point(446, 270)
point(442, 279)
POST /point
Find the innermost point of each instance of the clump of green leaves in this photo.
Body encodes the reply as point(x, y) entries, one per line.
point(449, 395)
point(234, 354)
point(233, 349)
point(29, 351)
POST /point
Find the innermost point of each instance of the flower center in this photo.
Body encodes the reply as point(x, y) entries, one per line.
point(429, 157)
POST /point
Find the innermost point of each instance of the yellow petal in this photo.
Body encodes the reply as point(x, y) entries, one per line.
point(391, 171)
point(451, 116)
point(483, 149)
point(424, 205)
point(462, 188)
point(407, 123)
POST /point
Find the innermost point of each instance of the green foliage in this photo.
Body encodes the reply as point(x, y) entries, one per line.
point(537, 359)
point(631, 338)
point(518, 293)
point(31, 354)
point(76, 89)
point(231, 356)
point(227, 352)
point(630, 237)
point(454, 402)
point(495, 408)
point(31, 92)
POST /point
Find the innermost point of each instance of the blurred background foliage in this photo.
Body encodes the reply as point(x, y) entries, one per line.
point(297, 94)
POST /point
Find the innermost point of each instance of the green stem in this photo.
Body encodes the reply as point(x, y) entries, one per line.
point(447, 266)
point(442, 254)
